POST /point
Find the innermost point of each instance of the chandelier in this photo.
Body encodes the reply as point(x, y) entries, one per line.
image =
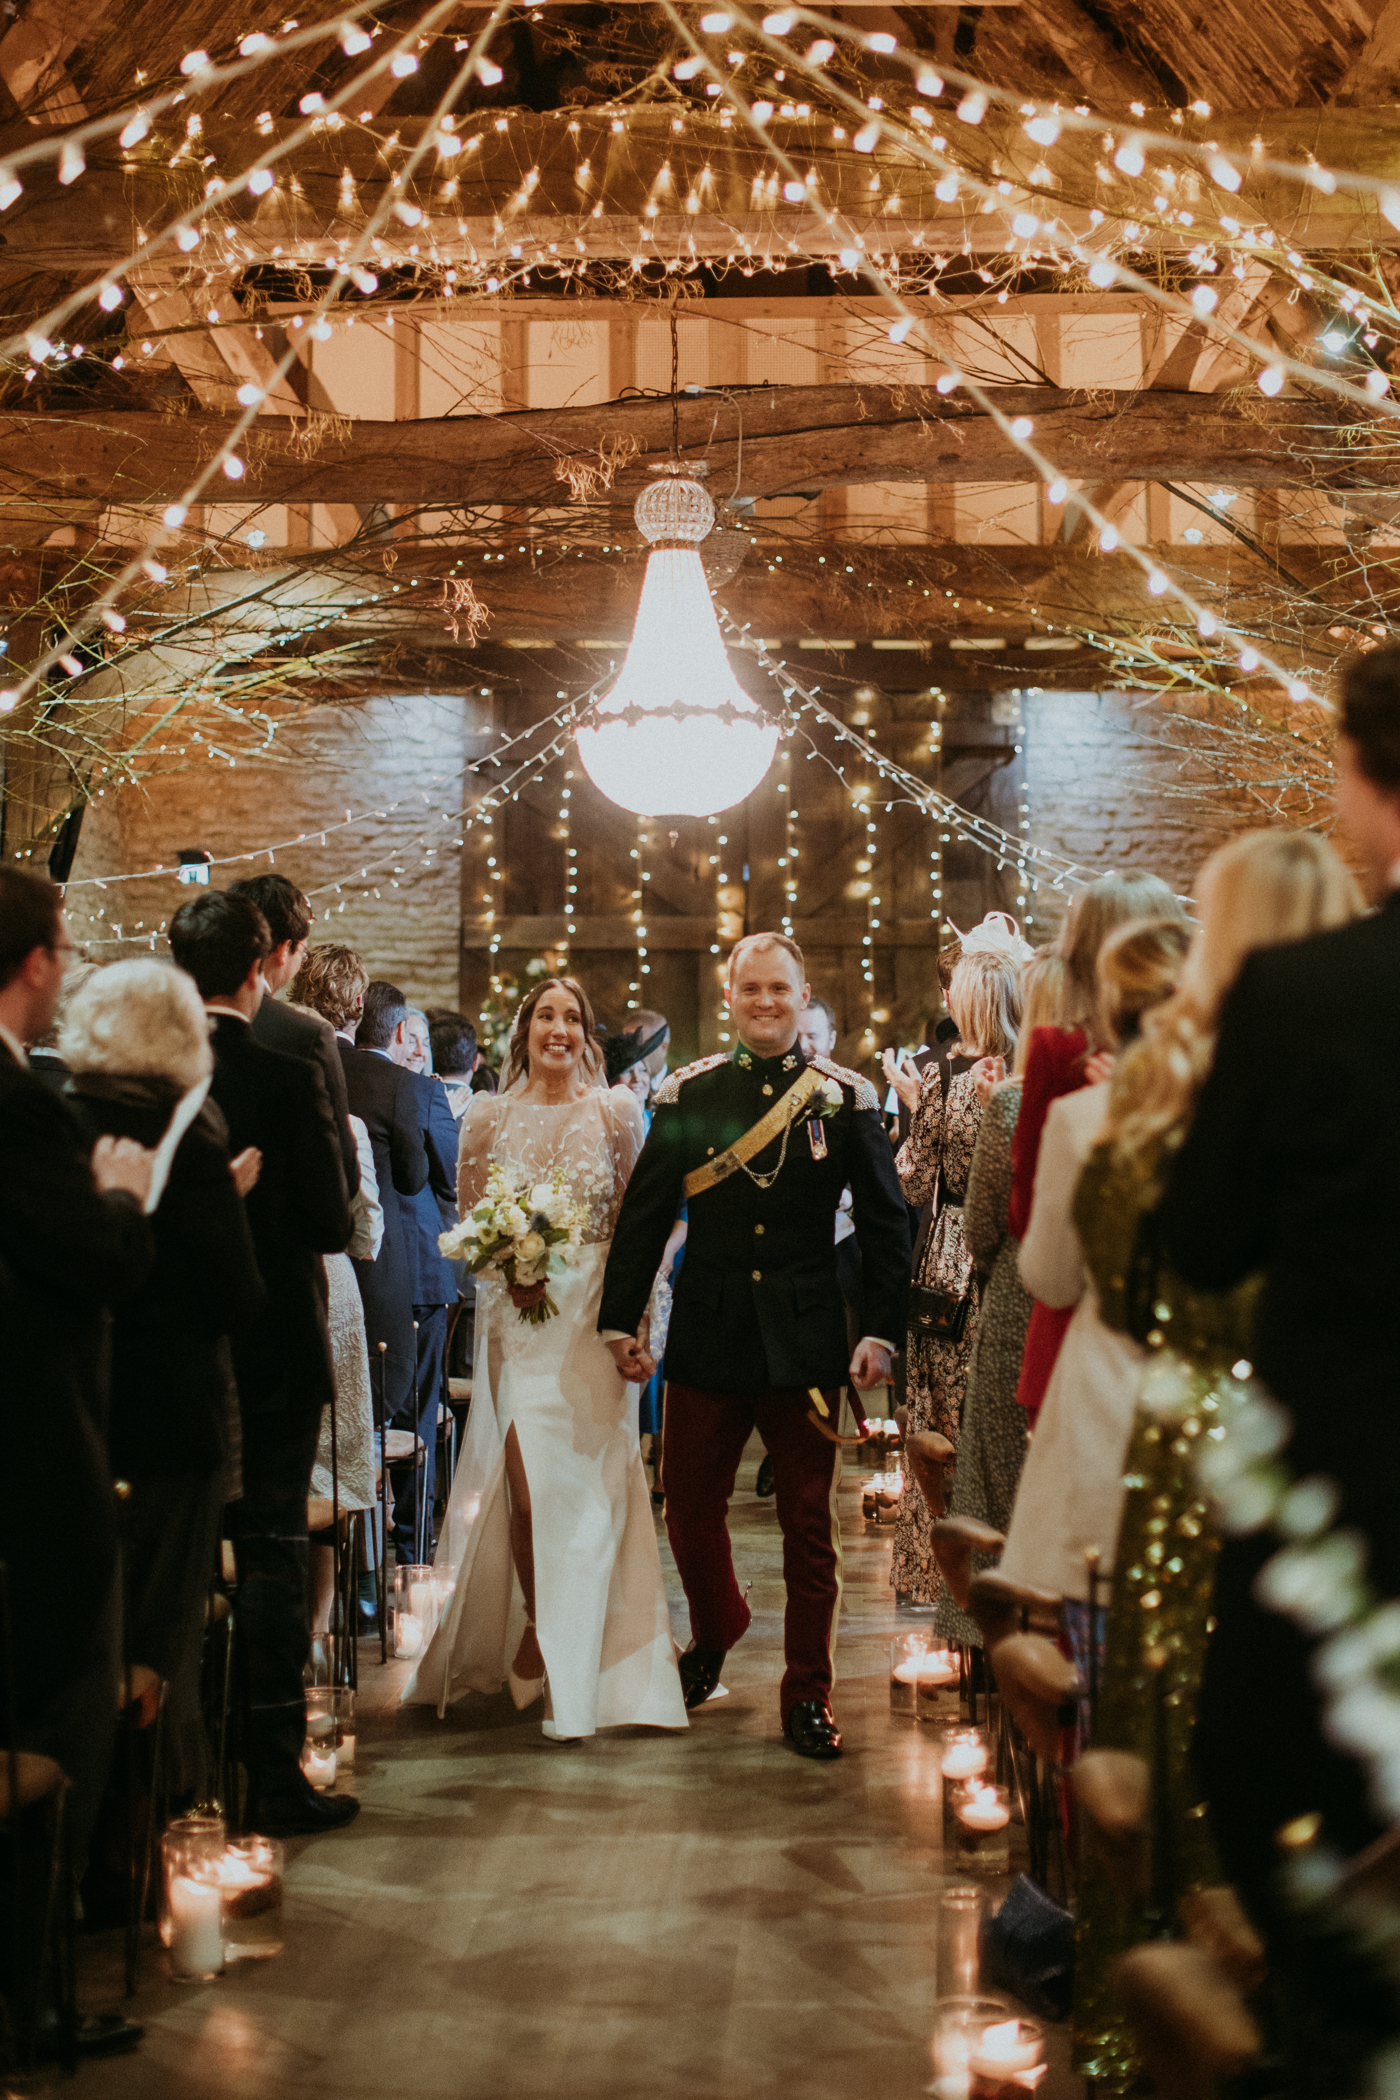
point(677, 735)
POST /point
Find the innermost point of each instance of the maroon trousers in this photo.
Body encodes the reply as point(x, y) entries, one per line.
point(704, 1439)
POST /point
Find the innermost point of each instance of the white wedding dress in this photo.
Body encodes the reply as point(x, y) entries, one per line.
point(600, 1607)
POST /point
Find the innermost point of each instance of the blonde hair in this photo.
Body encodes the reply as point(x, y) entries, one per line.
point(1043, 981)
point(332, 982)
point(984, 999)
point(140, 1019)
point(1259, 891)
point(1096, 911)
point(766, 940)
point(517, 1061)
point(1139, 966)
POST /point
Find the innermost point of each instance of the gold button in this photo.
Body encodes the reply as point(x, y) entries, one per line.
point(709, 1152)
point(758, 1275)
point(759, 1230)
point(767, 1089)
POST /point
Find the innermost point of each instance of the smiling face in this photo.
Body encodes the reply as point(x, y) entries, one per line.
point(766, 998)
point(557, 1034)
point(418, 1049)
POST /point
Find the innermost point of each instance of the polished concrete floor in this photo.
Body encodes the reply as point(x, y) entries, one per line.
point(641, 1915)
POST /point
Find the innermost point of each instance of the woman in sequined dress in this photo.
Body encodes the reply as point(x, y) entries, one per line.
point(984, 999)
point(1261, 890)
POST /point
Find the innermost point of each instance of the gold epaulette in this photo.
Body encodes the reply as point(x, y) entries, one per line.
point(669, 1091)
point(866, 1096)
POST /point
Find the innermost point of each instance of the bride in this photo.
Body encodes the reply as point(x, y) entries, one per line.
point(548, 1535)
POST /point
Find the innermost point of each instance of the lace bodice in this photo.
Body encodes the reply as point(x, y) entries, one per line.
point(594, 1141)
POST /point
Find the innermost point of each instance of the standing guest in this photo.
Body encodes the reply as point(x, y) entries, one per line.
point(298, 1211)
point(455, 1056)
point(427, 1214)
point(44, 1059)
point(280, 1026)
point(135, 1041)
point(1260, 890)
point(384, 1095)
point(985, 1001)
point(73, 1242)
point(1071, 1492)
point(1304, 1189)
point(332, 981)
point(1057, 1064)
point(992, 1441)
point(939, 1047)
point(761, 1144)
point(344, 1473)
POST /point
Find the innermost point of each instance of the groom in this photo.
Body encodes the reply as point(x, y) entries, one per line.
point(760, 1145)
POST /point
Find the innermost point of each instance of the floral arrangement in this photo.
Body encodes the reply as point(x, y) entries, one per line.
point(827, 1100)
point(522, 1229)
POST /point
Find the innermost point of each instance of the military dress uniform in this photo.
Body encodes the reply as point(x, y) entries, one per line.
point(758, 1319)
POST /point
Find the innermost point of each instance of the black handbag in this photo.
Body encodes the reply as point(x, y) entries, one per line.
point(938, 1315)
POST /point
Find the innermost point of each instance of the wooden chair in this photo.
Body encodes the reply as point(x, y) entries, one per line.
point(1192, 2026)
point(956, 1541)
point(1039, 1688)
point(1001, 1607)
point(1215, 1922)
point(930, 1459)
point(1113, 1790)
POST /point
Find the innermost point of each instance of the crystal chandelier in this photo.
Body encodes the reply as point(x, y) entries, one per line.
point(677, 735)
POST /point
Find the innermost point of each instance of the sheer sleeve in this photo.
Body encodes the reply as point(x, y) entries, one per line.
point(919, 1155)
point(478, 1135)
point(626, 1133)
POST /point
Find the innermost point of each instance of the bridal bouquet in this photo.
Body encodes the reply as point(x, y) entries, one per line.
point(522, 1229)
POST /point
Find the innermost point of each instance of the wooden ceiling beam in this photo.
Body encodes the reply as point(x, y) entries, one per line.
point(774, 440)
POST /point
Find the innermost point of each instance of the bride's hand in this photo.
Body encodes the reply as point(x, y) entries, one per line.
point(632, 1360)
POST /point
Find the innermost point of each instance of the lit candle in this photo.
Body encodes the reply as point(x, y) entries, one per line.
point(408, 1633)
point(196, 1927)
point(964, 1756)
point(318, 1763)
point(983, 1811)
point(1006, 2061)
point(250, 1875)
point(345, 1752)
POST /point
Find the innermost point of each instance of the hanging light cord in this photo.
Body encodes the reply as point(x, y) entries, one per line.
point(675, 389)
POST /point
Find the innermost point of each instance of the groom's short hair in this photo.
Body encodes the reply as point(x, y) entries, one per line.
point(766, 940)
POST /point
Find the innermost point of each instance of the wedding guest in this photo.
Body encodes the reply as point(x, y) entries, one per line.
point(343, 1476)
point(1056, 1065)
point(992, 1442)
point(1302, 1186)
point(332, 981)
point(384, 1095)
point(816, 1032)
point(427, 1214)
point(135, 1041)
point(74, 1241)
point(984, 999)
point(298, 1211)
point(289, 920)
point(452, 1041)
point(418, 1042)
point(1260, 890)
point(44, 1059)
point(1071, 1488)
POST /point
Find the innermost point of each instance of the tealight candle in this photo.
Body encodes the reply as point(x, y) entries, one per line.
point(960, 2027)
point(981, 1818)
point(965, 1754)
point(196, 1928)
point(907, 1654)
point(318, 1763)
point(940, 1674)
point(250, 1875)
point(1006, 2060)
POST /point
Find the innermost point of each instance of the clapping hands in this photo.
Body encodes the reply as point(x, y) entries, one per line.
point(903, 1075)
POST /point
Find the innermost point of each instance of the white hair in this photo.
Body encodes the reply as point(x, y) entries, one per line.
point(139, 1019)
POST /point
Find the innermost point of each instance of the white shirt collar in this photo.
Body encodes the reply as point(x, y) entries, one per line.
point(15, 1047)
point(216, 1006)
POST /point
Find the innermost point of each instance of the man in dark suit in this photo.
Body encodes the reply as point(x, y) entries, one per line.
point(1300, 1178)
point(73, 1241)
point(298, 1211)
point(384, 1094)
point(289, 919)
point(760, 1146)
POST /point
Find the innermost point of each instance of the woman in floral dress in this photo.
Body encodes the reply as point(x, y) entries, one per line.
point(933, 1164)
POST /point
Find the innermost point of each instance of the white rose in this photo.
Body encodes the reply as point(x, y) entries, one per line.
point(832, 1096)
point(530, 1248)
point(513, 1219)
point(541, 1196)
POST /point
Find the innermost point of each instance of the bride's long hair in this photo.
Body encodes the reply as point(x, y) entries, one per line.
point(516, 1070)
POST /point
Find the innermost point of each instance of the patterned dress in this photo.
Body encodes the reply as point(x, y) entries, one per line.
point(992, 1446)
point(938, 1150)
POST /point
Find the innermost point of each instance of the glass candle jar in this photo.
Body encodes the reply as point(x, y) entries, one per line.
point(937, 1693)
point(345, 1728)
point(199, 1839)
point(958, 1951)
point(415, 1610)
point(983, 2050)
point(318, 1763)
point(193, 1898)
point(907, 1651)
point(981, 1825)
point(250, 1874)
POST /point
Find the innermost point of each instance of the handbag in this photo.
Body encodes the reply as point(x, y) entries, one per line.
point(938, 1315)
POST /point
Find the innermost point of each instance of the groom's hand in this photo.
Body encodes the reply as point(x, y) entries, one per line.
point(870, 1366)
point(632, 1360)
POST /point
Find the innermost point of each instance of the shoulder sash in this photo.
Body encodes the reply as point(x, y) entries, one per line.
point(780, 1118)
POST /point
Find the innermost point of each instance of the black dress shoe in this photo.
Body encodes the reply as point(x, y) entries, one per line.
point(699, 1668)
point(811, 1730)
point(304, 1814)
point(764, 1486)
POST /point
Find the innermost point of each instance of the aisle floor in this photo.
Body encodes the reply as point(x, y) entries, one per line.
point(639, 1916)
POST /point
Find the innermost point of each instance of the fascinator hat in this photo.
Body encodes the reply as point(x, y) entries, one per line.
point(996, 934)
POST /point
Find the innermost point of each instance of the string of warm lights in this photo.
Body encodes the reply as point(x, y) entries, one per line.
point(867, 867)
point(570, 866)
point(788, 860)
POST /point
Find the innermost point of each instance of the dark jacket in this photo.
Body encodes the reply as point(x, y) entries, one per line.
point(67, 1254)
point(757, 1300)
point(1295, 1171)
point(434, 1208)
point(278, 1027)
point(385, 1098)
point(168, 1392)
point(298, 1212)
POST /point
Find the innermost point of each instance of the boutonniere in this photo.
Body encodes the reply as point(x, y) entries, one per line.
point(828, 1100)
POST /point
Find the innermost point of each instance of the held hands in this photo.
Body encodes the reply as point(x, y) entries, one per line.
point(120, 1163)
point(903, 1075)
point(870, 1366)
point(633, 1356)
point(987, 1073)
point(245, 1169)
